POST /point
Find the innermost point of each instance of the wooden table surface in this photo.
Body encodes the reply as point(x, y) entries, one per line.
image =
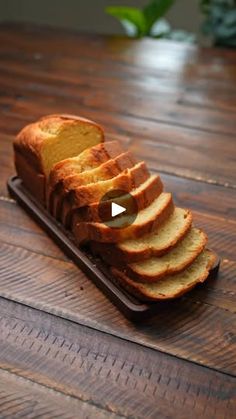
point(174, 105)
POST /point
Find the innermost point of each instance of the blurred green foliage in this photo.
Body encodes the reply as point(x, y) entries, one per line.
point(140, 21)
point(220, 21)
point(219, 24)
point(148, 21)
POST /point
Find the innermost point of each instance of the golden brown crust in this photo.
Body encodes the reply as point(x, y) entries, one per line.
point(140, 291)
point(28, 147)
point(97, 211)
point(67, 116)
point(130, 271)
point(102, 233)
point(28, 143)
point(32, 180)
point(30, 139)
point(86, 195)
point(107, 170)
point(97, 154)
point(111, 258)
point(119, 256)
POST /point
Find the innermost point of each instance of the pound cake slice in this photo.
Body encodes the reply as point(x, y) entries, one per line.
point(146, 221)
point(176, 260)
point(156, 243)
point(105, 171)
point(40, 145)
point(88, 159)
point(170, 286)
point(93, 192)
point(144, 195)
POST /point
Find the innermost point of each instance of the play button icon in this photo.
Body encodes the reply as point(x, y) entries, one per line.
point(117, 209)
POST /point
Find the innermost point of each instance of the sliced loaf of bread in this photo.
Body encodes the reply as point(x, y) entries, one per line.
point(146, 221)
point(170, 286)
point(176, 260)
point(156, 243)
point(89, 159)
point(93, 192)
point(105, 171)
point(40, 145)
point(144, 195)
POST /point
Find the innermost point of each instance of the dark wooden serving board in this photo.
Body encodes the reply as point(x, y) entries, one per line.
point(131, 307)
point(89, 264)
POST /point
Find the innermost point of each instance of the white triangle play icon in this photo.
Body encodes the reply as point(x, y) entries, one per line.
point(116, 209)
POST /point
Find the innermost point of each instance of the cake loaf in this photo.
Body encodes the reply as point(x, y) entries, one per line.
point(40, 145)
point(65, 162)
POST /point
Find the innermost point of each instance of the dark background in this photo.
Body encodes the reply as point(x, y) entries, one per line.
point(89, 15)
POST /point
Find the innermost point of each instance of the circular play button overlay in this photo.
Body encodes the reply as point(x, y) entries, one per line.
point(117, 209)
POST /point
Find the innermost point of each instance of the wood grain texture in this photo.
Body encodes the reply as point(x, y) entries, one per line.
point(110, 373)
point(171, 148)
point(20, 397)
point(197, 329)
point(169, 97)
point(174, 106)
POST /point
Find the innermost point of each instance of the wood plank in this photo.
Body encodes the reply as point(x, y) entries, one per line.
point(74, 67)
point(123, 377)
point(201, 197)
point(20, 397)
point(22, 79)
point(6, 162)
point(145, 53)
point(187, 70)
point(140, 102)
point(18, 229)
point(84, 72)
point(193, 328)
point(220, 292)
point(177, 150)
point(221, 233)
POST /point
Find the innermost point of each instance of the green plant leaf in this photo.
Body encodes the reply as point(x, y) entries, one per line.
point(130, 29)
point(154, 10)
point(230, 18)
point(216, 13)
point(223, 31)
point(129, 14)
point(160, 28)
point(220, 22)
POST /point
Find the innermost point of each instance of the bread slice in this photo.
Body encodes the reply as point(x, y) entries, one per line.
point(156, 243)
point(146, 221)
point(144, 195)
point(178, 259)
point(105, 171)
point(89, 159)
point(93, 192)
point(171, 286)
point(40, 145)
